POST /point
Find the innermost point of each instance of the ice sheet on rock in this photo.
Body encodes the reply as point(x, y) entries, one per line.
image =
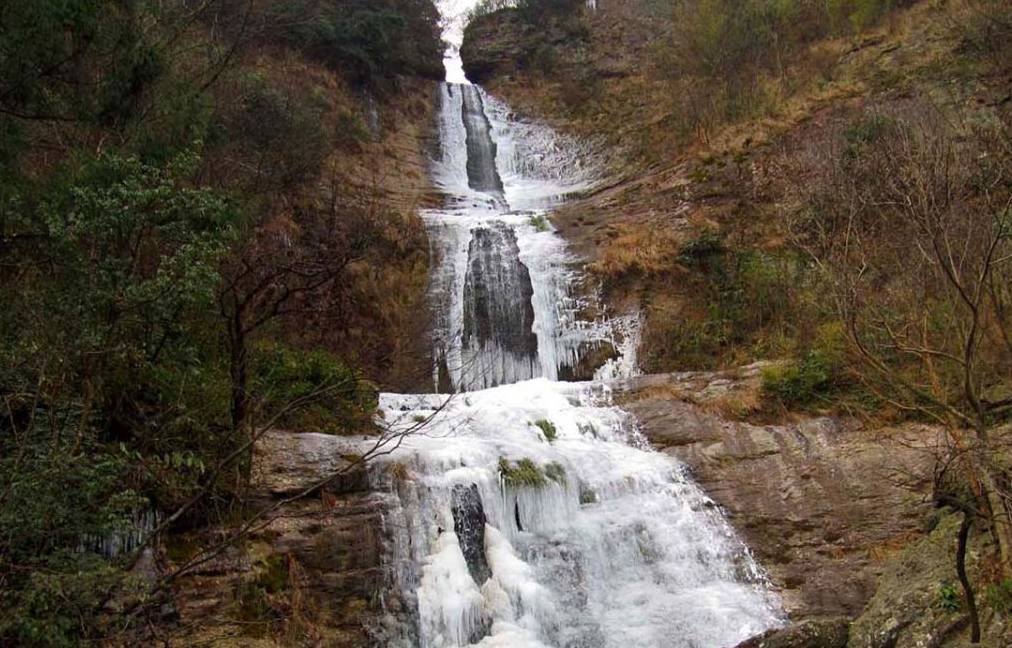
point(539, 257)
point(488, 161)
point(619, 548)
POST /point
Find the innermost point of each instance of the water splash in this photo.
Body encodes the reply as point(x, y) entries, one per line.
point(601, 542)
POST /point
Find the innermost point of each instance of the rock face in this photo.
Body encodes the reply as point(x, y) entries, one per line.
point(830, 633)
point(919, 603)
point(316, 567)
point(822, 502)
point(469, 525)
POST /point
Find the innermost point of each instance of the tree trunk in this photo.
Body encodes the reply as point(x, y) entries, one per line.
point(971, 603)
point(1001, 524)
point(238, 376)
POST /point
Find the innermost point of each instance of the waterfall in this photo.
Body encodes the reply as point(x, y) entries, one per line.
point(527, 512)
point(579, 538)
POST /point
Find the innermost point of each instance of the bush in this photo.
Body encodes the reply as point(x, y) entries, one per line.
point(331, 397)
point(949, 597)
point(540, 223)
point(279, 129)
point(521, 474)
point(369, 41)
point(798, 383)
point(548, 428)
point(707, 246)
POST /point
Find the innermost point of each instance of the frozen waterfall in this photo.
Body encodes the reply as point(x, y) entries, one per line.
point(525, 512)
point(512, 536)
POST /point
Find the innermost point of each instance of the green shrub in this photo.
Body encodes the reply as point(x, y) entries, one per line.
point(368, 40)
point(706, 246)
point(539, 223)
point(796, 383)
point(548, 428)
point(59, 606)
point(335, 399)
point(949, 597)
point(521, 474)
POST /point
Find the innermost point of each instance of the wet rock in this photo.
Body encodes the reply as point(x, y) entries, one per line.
point(592, 356)
point(469, 525)
point(330, 543)
point(827, 633)
point(822, 501)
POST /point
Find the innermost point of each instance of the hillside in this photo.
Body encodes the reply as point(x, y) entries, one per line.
point(208, 227)
point(822, 187)
point(690, 174)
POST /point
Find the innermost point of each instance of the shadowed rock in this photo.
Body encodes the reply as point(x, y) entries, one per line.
point(482, 174)
point(498, 312)
point(469, 525)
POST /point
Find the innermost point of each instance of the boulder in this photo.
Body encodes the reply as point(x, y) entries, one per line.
point(825, 633)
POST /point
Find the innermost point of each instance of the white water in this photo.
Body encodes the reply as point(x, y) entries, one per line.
point(623, 551)
point(533, 514)
point(538, 168)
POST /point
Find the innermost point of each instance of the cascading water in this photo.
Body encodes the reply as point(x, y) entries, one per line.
point(526, 512)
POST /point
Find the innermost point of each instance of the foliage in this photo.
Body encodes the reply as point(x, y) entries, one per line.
point(532, 11)
point(708, 245)
point(548, 429)
point(144, 155)
point(949, 598)
point(369, 41)
point(280, 128)
point(540, 223)
point(798, 383)
point(521, 474)
point(60, 605)
point(338, 400)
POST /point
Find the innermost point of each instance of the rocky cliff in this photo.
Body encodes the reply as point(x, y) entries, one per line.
point(836, 507)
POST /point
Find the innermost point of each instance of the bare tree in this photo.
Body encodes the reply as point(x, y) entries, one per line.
point(909, 220)
point(286, 262)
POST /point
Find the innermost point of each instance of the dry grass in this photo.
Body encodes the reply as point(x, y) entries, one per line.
point(632, 249)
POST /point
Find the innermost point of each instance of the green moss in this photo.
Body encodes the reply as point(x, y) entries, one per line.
point(540, 223)
point(548, 428)
point(556, 473)
point(521, 474)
